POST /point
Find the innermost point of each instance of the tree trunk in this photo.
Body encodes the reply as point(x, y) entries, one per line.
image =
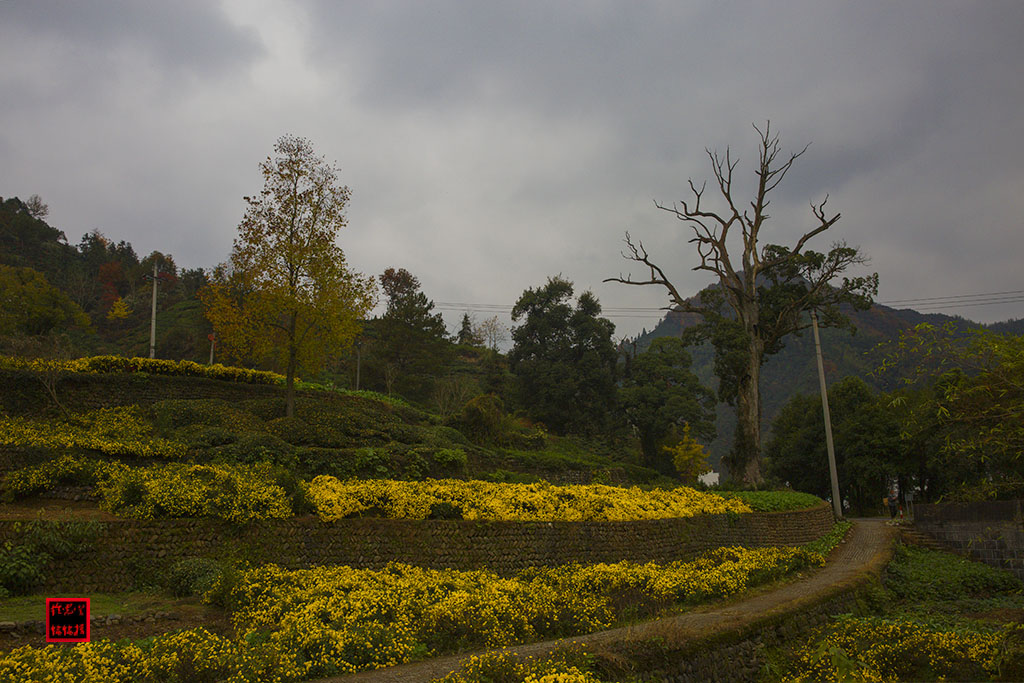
point(289, 383)
point(745, 463)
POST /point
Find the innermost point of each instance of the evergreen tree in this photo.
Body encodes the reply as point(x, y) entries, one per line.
point(412, 338)
point(468, 334)
point(660, 393)
point(563, 359)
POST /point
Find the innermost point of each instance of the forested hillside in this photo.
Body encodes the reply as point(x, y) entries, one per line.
point(794, 369)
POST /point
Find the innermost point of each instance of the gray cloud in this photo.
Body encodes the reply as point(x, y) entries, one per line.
point(490, 145)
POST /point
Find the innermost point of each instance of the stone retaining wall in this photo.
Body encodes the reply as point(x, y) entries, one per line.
point(990, 531)
point(126, 554)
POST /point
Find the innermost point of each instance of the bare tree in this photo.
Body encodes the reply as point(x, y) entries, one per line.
point(36, 207)
point(451, 393)
point(492, 332)
point(764, 293)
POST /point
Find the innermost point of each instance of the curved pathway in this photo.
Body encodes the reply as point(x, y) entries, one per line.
point(866, 551)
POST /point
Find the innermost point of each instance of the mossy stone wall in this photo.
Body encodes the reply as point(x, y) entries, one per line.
point(988, 531)
point(128, 554)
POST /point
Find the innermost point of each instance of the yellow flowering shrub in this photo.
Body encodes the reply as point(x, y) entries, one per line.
point(67, 469)
point(155, 366)
point(237, 493)
point(184, 656)
point(346, 619)
point(563, 666)
point(115, 431)
point(335, 499)
point(881, 649)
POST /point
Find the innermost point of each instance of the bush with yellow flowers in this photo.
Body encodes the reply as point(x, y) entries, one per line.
point(65, 470)
point(123, 430)
point(335, 499)
point(324, 621)
point(237, 493)
point(153, 366)
point(570, 665)
point(186, 656)
point(900, 648)
point(346, 619)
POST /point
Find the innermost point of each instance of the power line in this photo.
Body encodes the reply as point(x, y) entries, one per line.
point(933, 303)
point(958, 296)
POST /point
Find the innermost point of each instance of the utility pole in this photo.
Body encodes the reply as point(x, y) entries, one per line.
point(837, 503)
point(152, 320)
point(359, 346)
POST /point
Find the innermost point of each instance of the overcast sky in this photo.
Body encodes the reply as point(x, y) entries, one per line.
point(489, 145)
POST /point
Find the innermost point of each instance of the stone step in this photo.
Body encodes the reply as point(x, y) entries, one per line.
point(912, 536)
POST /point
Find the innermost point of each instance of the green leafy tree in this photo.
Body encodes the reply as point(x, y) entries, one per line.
point(968, 391)
point(563, 359)
point(412, 338)
point(661, 392)
point(29, 305)
point(867, 444)
point(762, 293)
point(287, 292)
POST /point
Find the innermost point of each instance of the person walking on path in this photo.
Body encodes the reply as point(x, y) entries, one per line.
point(894, 503)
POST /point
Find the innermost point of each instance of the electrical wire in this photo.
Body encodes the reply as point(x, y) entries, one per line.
point(922, 304)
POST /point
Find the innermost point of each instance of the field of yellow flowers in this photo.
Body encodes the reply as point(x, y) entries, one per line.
point(334, 499)
point(241, 493)
point(328, 620)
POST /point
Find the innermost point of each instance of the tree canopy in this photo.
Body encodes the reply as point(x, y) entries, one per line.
point(29, 305)
point(967, 393)
point(563, 358)
point(659, 393)
point(287, 292)
point(867, 444)
point(411, 336)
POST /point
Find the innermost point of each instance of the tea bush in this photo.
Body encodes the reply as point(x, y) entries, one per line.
point(922, 574)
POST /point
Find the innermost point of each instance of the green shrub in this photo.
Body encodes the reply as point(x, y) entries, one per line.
point(24, 558)
point(21, 567)
point(922, 574)
point(450, 459)
point(203, 438)
point(773, 501)
point(254, 447)
point(481, 419)
point(173, 414)
point(295, 488)
point(445, 510)
point(506, 477)
point(291, 430)
point(193, 576)
point(442, 436)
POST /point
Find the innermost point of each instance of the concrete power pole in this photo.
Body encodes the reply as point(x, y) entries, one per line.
point(152, 320)
point(837, 503)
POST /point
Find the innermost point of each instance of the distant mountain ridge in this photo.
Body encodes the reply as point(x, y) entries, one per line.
point(794, 369)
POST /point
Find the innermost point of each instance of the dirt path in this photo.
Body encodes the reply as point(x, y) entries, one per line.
point(867, 549)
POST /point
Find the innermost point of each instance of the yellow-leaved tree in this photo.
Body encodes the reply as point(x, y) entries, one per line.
point(689, 457)
point(287, 295)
